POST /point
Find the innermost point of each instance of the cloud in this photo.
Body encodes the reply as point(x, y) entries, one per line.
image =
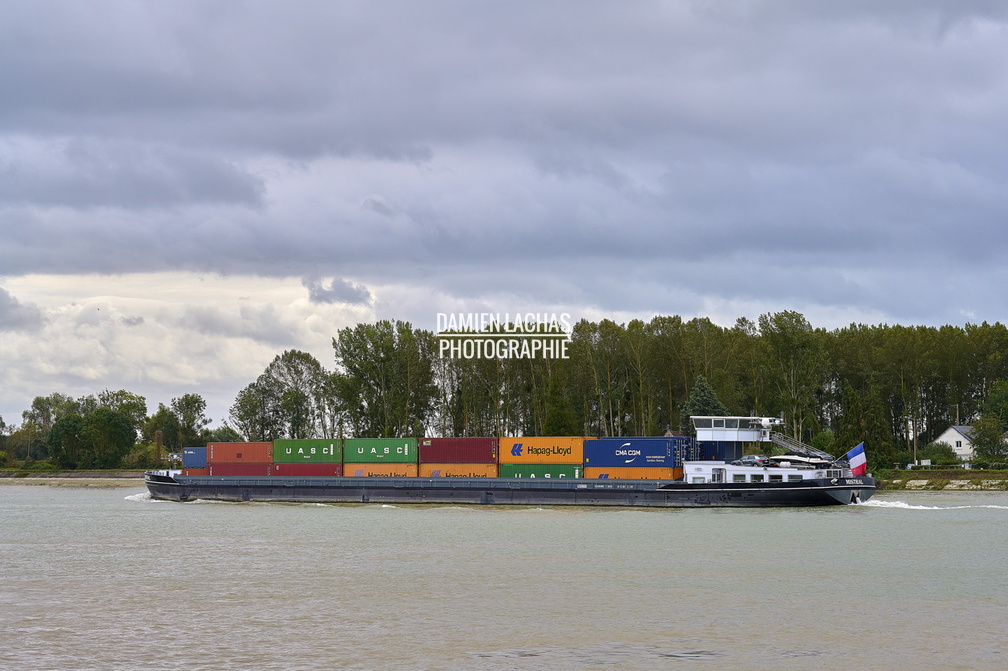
point(15, 316)
point(336, 291)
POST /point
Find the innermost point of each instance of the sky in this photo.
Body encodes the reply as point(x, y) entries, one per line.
point(190, 188)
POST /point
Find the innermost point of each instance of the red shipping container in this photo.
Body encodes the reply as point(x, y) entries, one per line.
point(239, 453)
point(253, 470)
point(310, 470)
point(195, 471)
point(458, 450)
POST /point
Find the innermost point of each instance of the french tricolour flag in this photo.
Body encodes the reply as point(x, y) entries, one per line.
point(858, 462)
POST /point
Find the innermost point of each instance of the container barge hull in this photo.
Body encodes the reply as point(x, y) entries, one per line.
point(510, 491)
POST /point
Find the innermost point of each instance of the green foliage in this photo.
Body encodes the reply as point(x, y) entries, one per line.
point(988, 438)
point(940, 454)
point(702, 401)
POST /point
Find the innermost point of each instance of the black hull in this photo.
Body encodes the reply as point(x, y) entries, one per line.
point(506, 491)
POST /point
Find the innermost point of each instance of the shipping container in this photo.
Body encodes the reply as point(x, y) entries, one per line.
point(541, 471)
point(194, 457)
point(458, 470)
point(458, 451)
point(545, 450)
point(307, 470)
point(380, 470)
point(315, 451)
point(380, 450)
point(635, 451)
point(244, 468)
point(195, 471)
point(633, 473)
point(239, 453)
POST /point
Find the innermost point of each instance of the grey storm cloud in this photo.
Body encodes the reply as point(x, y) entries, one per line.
point(17, 316)
point(336, 291)
point(544, 149)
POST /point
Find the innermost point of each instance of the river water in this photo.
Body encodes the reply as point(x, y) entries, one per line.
point(111, 579)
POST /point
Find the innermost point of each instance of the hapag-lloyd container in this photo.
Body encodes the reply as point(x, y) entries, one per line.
point(244, 468)
point(311, 451)
point(306, 470)
point(379, 470)
point(544, 450)
point(541, 471)
point(380, 450)
point(458, 450)
point(458, 470)
point(635, 451)
point(240, 453)
point(632, 473)
point(194, 457)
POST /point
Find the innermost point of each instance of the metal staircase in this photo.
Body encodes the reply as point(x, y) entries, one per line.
point(798, 447)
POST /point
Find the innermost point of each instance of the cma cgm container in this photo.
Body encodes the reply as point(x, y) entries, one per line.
point(458, 470)
point(249, 469)
point(458, 451)
point(545, 450)
point(239, 453)
point(307, 470)
point(633, 473)
point(316, 451)
point(637, 452)
point(380, 470)
point(380, 450)
point(194, 457)
point(541, 471)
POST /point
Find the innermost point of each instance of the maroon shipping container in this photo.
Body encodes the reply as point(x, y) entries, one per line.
point(310, 470)
point(239, 453)
point(253, 470)
point(458, 450)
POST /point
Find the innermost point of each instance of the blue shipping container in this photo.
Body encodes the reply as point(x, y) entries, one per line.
point(636, 451)
point(194, 457)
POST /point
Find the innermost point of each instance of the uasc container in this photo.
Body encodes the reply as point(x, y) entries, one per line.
point(380, 470)
point(194, 457)
point(311, 451)
point(380, 450)
point(458, 450)
point(307, 470)
point(633, 473)
point(238, 453)
point(541, 471)
point(635, 451)
point(458, 470)
point(245, 468)
point(541, 450)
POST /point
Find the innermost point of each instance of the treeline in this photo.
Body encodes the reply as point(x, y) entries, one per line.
point(110, 430)
point(894, 387)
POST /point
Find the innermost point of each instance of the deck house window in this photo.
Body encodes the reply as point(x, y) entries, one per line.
point(757, 477)
point(738, 477)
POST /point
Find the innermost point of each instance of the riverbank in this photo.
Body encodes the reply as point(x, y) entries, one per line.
point(950, 480)
point(94, 479)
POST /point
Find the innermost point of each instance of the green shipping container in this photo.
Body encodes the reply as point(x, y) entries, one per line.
point(380, 450)
point(314, 451)
point(541, 471)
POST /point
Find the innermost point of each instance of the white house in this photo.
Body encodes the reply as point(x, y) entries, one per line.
point(958, 436)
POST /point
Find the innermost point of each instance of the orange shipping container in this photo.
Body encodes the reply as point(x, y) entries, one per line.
point(195, 471)
point(385, 470)
point(545, 450)
point(239, 453)
point(458, 470)
point(633, 472)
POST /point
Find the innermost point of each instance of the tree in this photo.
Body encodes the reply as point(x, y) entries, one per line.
point(988, 438)
point(67, 441)
point(109, 436)
point(192, 422)
point(167, 422)
point(702, 402)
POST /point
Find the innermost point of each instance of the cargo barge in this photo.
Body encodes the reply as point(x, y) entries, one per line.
point(525, 471)
point(833, 488)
